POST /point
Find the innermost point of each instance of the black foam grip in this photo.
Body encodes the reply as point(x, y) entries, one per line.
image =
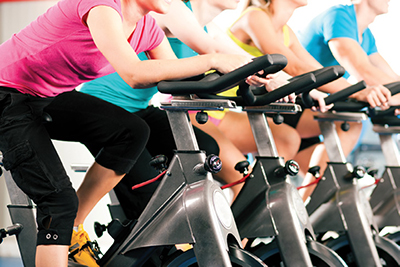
point(393, 87)
point(345, 93)
point(268, 63)
point(303, 82)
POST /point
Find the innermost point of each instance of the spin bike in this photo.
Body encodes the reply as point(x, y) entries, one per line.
point(338, 205)
point(385, 198)
point(268, 206)
point(188, 206)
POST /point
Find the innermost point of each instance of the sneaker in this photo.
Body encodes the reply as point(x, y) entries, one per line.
point(82, 250)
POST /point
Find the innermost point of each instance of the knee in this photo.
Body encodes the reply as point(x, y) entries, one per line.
point(56, 213)
point(288, 144)
point(138, 128)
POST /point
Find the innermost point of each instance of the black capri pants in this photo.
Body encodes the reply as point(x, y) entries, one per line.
point(34, 163)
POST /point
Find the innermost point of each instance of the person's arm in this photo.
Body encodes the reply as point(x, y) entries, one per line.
point(162, 51)
point(258, 25)
point(181, 23)
point(378, 61)
point(353, 58)
point(300, 61)
point(107, 31)
point(225, 43)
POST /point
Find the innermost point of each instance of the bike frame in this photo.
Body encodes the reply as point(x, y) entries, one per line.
point(337, 204)
point(188, 205)
point(268, 205)
point(385, 199)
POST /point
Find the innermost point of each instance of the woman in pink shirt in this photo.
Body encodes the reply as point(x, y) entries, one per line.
point(73, 42)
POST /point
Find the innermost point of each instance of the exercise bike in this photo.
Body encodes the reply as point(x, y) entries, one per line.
point(188, 205)
point(338, 205)
point(268, 206)
point(385, 198)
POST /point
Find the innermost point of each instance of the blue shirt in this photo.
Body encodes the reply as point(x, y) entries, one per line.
point(336, 22)
point(113, 89)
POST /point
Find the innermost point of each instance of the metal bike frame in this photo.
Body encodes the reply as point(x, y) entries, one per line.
point(184, 207)
point(268, 205)
point(337, 204)
point(21, 212)
point(385, 199)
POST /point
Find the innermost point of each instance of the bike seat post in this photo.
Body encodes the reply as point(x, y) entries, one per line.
point(181, 128)
point(288, 223)
point(388, 144)
point(328, 130)
point(385, 200)
point(348, 209)
point(259, 125)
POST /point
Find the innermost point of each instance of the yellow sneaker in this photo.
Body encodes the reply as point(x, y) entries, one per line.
point(82, 250)
point(184, 247)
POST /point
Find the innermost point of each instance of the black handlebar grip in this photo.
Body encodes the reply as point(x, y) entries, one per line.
point(301, 82)
point(323, 76)
point(393, 87)
point(353, 105)
point(226, 81)
point(345, 93)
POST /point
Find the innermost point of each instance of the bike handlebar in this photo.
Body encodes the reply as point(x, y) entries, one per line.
point(299, 84)
point(268, 63)
point(354, 105)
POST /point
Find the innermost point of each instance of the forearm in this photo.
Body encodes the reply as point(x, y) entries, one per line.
point(144, 74)
point(370, 74)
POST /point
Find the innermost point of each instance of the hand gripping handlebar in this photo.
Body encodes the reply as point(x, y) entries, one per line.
point(299, 84)
point(354, 105)
point(302, 84)
point(268, 63)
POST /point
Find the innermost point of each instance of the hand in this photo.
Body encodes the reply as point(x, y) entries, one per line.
point(225, 63)
point(319, 96)
point(376, 96)
point(272, 82)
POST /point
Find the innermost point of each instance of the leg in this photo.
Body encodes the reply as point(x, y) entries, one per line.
point(36, 168)
point(308, 127)
point(97, 183)
point(286, 138)
point(114, 136)
point(229, 154)
point(57, 252)
point(161, 141)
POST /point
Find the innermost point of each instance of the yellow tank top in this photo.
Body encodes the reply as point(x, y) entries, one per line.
point(252, 50)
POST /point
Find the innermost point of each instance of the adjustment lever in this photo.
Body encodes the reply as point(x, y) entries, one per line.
point(212, 164)
point(358, 172)
point(291, 168)
point(11, 230)
point(242, 167)
point(159, 163)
